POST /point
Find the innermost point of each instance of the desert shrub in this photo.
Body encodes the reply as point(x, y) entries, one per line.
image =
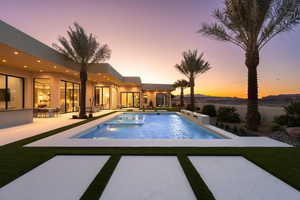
point(209, 110)
point(291, 117)
point(281, 120)
point(276, 127)
point(235, 130)
point(189, 107)
point(227, 127)
point(242, 131)
point(228, 114)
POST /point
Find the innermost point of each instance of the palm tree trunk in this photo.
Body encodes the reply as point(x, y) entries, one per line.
point(181, 98)
point(192, 82)
point(83, 79)
point(253, 116)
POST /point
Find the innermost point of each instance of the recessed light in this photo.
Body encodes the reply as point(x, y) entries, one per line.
point(25, 66)
point(38, 61)
point(3, 60)
point(16, 53)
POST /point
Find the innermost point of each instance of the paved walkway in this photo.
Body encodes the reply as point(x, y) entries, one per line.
point(148, 178)
point(39, 125)
point(61, 178)
point(236, 178)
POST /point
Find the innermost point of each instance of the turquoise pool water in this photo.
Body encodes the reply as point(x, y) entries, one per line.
point(149, 126)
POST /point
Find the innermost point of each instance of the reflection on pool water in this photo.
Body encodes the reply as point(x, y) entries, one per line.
point(149, 126)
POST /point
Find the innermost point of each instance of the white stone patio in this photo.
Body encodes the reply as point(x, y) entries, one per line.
point(236, 178)
point(39, 125)
point(148, 177)
point(60, 178)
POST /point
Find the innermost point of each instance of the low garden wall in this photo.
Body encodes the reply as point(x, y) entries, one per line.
point(267, 112)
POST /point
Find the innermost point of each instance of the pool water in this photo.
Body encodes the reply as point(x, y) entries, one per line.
point(149, 126)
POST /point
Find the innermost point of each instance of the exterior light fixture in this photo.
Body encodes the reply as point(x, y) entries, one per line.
point(41, 70)
point(25, 66)
point(16, 53)
point(54, 66)
point(3, 60)
point(38, 61)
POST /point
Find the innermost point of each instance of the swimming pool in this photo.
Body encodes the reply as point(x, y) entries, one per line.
point(148, 126)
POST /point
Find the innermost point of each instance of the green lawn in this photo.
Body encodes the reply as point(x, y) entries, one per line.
point(16, 160)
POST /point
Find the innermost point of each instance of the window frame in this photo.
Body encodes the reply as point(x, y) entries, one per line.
point(73, 96)
point(6, 89)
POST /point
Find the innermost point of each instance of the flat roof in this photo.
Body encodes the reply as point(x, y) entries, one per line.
point(16, 39)
point(155, 86)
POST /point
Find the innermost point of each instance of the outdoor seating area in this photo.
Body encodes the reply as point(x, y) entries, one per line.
point(46, 112)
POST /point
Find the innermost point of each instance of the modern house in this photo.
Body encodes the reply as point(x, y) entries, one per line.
point(33, 76)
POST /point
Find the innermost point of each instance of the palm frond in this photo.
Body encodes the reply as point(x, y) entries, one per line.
point(192, 65)
point(252, 24)
point(182, 83)
point(81, 47)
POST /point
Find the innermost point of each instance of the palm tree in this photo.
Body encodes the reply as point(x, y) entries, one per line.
point(191, 66)
point(83, 49)
point(251, 25)
point(182, 84)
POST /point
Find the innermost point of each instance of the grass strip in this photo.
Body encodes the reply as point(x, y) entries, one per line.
point(96, 188)
point(199, 187)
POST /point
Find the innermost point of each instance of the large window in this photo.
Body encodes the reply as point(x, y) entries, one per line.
point(42, 93)
point(130, 99)
point(69, 96)
point(102, 97)
point(162, 100)
point(11, 92)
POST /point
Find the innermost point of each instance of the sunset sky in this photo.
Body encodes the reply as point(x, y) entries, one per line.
point(147, 38)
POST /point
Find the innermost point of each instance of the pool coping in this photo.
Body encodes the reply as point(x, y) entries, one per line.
point(65, 139)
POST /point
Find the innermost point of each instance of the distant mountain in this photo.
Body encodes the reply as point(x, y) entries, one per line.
point(282, 96)
point(272, 100)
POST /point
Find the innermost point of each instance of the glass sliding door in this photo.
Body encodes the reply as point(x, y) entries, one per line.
point(102, 97)
point(62, 91)
point(3, 93)
point(11, 92)
point(136, 100)
point(124, 100)
point(42, 93)
point(162, 100)
point(76, 97)
point(69, 96)
point(130, 99)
